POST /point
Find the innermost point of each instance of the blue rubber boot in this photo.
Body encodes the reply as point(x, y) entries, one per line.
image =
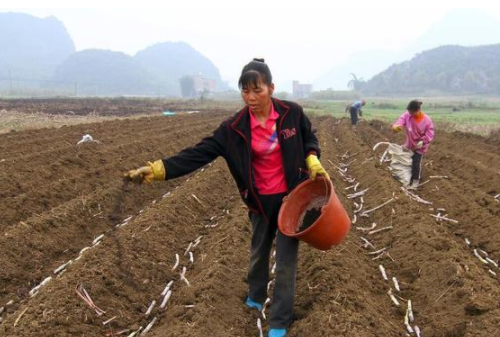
point(277, 333)
point(252, 304)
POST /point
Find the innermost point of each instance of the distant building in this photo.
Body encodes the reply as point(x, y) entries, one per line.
point(301, 90)
point(203, 85)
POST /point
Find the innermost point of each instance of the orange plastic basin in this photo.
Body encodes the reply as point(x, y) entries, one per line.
point(315, 200)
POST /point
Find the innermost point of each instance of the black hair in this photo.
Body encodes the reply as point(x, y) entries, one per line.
point(254, 72)
point(414, 105)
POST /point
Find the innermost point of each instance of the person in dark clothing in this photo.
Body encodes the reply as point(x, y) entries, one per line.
point(355, 109)
point(270, 148)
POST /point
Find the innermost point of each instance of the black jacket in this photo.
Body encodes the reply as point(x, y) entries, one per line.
point(231, 140)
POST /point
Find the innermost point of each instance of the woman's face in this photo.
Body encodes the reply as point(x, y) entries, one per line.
point(258, 98)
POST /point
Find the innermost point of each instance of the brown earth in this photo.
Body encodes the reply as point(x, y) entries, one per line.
point(102, 106)
point(57, 197)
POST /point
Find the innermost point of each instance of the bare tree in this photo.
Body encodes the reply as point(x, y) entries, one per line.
point(187, 86)
point(355, 83)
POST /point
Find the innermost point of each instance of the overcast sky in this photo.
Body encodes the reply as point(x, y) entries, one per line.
point(299, 39)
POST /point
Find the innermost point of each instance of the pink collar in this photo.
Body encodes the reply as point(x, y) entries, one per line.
point(272, 116)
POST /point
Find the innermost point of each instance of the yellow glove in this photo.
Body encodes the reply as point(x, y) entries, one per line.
point(397, 128)
point(154, 171)
point(315, 167)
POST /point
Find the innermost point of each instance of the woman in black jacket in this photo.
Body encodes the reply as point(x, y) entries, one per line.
point(269, 148)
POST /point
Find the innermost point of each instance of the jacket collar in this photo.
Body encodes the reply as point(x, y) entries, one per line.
point(242, 121)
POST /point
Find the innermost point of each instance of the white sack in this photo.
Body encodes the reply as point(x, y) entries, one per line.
point(401, 161)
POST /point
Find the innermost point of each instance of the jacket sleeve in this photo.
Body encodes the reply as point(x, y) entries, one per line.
point(429, 133)
point(308, 136)
point(401, 120)
point(193, 158)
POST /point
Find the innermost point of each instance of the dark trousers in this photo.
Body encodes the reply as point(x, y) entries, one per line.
point(354, 116)
point(286, 263)
point(416, 167)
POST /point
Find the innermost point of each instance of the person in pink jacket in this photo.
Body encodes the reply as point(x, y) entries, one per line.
point(419, 134)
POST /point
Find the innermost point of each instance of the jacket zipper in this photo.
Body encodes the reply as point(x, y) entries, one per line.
point(280, 136)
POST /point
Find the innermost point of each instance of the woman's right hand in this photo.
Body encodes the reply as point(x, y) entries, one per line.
point(139, 175)
point(397, 128)
point(154, 171)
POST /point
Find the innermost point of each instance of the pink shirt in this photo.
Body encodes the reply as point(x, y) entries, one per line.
point(267, 162)
point(415, 132)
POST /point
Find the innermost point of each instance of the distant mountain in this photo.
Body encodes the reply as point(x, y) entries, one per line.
point(30, 47)
point(464, 27)
point(155, 71)
point(37, 57)
point(169, 61)
point(443, 70)
point(105, 73)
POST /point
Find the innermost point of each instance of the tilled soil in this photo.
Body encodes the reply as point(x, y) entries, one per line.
point(113, 106)
point(57, 198)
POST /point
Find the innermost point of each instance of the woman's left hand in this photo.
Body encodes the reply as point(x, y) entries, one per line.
point(315, 167)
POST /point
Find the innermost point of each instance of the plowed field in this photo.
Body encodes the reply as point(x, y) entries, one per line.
point(58, 198)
